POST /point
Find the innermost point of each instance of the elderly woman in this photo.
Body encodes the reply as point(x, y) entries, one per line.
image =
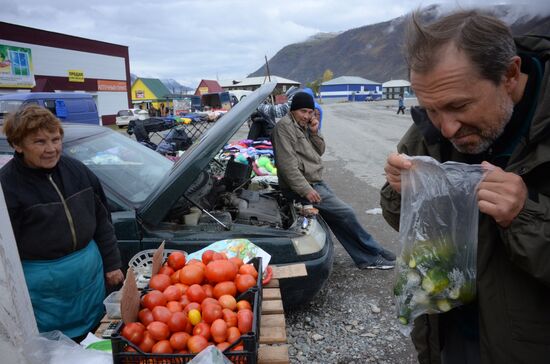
point(59, 216)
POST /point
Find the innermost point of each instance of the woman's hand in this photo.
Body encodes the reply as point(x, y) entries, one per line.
point(114, 277)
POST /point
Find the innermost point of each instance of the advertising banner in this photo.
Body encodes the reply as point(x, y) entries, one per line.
point(16, 67)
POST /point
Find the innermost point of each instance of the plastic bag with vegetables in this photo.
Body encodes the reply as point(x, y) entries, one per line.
point(436, 269)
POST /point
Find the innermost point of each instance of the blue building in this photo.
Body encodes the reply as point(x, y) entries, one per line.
point(350, 88)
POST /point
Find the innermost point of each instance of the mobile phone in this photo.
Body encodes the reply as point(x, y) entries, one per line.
point(110, 330)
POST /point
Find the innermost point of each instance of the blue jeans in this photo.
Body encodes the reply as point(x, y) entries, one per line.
point(341, 219)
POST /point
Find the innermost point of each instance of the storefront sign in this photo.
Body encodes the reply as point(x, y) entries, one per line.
point(16, 67)
point(203, 90)
point(76, 76)
point(108, 85)
point(140, 94)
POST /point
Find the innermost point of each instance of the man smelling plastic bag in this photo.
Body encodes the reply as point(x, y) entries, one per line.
point(438, 234)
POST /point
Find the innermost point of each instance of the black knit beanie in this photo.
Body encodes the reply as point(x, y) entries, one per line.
point(302, 100)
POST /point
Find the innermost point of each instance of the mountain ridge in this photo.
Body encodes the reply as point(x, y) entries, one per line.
point(373, 51)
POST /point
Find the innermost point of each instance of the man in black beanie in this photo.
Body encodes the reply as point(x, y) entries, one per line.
point(298, 149)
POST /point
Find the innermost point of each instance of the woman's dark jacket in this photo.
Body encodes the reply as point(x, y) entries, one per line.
point(47, 226)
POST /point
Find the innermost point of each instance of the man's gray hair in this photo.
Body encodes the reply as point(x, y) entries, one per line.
point(485, 39)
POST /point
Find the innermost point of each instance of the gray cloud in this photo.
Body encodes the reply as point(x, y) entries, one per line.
point(189, 40)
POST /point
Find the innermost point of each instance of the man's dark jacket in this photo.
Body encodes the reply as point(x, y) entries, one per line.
point(513, 264)
point(47, 227)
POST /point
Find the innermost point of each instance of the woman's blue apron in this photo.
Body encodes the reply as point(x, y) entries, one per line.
point(67, 293)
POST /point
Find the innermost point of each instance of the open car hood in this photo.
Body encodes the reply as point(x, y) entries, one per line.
point(198, 156)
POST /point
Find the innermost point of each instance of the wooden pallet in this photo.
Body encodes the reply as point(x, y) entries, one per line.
point(273, 345)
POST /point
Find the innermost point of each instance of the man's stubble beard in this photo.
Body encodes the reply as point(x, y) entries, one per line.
point(487, 137)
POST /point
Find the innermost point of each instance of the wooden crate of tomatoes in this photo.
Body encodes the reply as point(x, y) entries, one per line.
point(191, 305)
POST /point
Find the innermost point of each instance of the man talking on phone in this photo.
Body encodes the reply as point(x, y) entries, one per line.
point(298, 147)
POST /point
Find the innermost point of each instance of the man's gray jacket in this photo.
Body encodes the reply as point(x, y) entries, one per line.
point(298, 156)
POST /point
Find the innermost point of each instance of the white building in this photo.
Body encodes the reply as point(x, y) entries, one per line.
point(395, 88)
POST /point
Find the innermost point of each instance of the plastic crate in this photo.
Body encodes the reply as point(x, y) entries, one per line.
point(142, 263)
point(250, 340)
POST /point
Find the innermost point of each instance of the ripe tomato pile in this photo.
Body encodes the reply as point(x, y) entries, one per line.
point(193, 304)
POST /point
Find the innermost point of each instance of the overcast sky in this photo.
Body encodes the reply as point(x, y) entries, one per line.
point(212, 39)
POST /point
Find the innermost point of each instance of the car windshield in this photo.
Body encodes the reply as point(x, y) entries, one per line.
point(127, 167)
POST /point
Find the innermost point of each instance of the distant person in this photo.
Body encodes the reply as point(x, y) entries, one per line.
point(298, 148)
point(401, 105)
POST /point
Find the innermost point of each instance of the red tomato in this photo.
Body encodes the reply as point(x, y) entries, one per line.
point(243, 305)
point(166, 270)
point(229, 317)
point(233, 334)
point(244, 320)
point(220, 270)
point(153, 299)
point(223, 346)
point(268, 275)
point(176, 260)
point(219, 330)
point(211, 312)
point(191, 274)
point(177, 322)
point(248, 269)
point(134, 332)
point(147, 343)
point(219, 256)
point(174, 306)
point(146, 316)
point(175, 277)
point(161, 313)
point(182, 287)
point(162, 347)
point(158, 330)
point(237, 261)
point(191, 306)
point(208, 289)
point(207, 256)
point(160, 282)
point(203, 329)
point(209, 301)
point(196, 343)
point(244, 282)
point(184, 300)
point(172, 293)
point(178, 340)
point(238, 348)
point(228, 301)
point(195, 293)
point(224, 288)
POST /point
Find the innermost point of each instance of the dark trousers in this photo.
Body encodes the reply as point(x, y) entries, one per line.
point(341, 219)
point(401, 110)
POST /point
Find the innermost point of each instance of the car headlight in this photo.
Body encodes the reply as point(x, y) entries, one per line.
point(313, 241)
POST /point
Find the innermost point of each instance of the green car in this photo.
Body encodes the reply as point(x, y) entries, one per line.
point(149, 197)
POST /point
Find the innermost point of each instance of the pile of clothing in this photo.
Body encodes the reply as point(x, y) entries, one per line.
point(257, 152)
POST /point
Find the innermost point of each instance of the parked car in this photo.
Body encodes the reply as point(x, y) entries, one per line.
point(149, 197)
point(123, 117)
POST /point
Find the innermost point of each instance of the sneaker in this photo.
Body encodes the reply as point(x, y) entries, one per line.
point(378, 263)
point(388, 255)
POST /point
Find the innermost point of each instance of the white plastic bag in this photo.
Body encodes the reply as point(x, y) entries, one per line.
point(210, 355)
point(56, 348)
point(436, 269)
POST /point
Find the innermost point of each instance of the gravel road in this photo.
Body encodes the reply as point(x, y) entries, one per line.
point(352, 319)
